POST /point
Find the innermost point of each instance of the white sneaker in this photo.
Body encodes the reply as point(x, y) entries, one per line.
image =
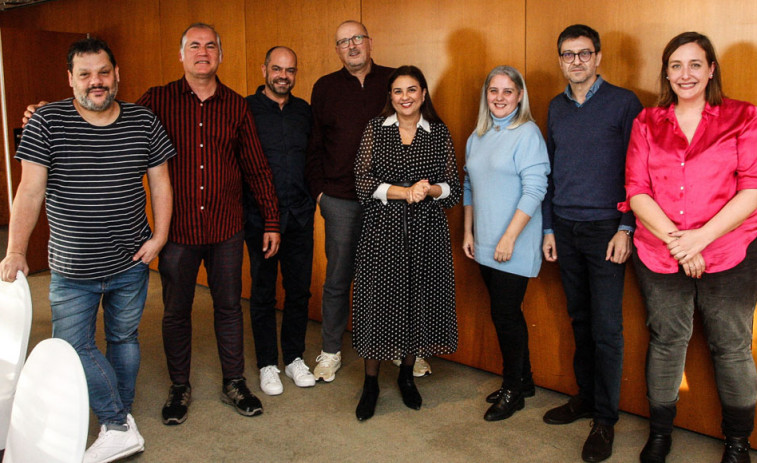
point(300, 373)
point(112, 445)
point(421, 367)
point(133, 425)
point(270, 383)
point(328, 364)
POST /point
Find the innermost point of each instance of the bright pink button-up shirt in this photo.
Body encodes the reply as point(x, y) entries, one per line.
point(692, 182)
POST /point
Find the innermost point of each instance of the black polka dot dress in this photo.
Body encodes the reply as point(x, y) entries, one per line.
point(404, 289)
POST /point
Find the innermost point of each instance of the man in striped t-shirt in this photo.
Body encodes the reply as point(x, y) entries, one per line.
point(86, 157)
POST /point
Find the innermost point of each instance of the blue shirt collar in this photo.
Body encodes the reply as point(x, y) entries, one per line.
point(594, 87)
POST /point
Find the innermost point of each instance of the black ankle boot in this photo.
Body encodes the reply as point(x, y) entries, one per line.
point(736, 450)
point(367, 405)
point(410, 395)
point(656, 448)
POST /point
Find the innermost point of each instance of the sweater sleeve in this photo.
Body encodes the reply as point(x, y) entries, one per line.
point(532, 165)
point(467, 192)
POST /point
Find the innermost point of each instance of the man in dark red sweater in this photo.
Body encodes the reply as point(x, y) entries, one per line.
point(342, 102)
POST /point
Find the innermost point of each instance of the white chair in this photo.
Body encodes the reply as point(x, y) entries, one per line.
point(50, 417)
point(16, 316)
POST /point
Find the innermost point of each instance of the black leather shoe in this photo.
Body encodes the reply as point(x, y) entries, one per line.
point(367, 405)
point(736, 450)
point(574, 410)
point(598, 446)
point(509, 403)
point(527, 389)
point(410, 395)
point(656, 448)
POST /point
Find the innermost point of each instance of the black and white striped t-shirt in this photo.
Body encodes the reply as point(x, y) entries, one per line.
point(95, 198)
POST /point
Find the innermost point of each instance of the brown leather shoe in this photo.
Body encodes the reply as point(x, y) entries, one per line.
point(598, 446)
point(575, 409)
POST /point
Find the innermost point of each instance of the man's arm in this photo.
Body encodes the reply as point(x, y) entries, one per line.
point(314, 175)
point(259, 177)
point(26, 206)
point(161, 198)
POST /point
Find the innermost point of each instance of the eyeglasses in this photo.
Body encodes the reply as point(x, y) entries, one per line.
point(356, 39)
point(583, 55)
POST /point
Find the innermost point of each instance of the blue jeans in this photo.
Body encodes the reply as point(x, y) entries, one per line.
point(342, 221)
point(726, 302)
point(594, 292)
point(110, 378)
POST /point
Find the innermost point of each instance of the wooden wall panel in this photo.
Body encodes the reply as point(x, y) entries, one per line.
point(130, 27)
point(307, 28)
point(633, 35)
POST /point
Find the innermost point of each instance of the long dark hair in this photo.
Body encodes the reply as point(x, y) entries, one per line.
point(427, 107)
point(714, 91)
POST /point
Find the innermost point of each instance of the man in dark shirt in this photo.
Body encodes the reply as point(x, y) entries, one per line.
point(343, 102)
point(283, 122)
point(214, 134)
point(588, 129)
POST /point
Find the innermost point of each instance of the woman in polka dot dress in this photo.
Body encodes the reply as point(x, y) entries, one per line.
point(404, 290)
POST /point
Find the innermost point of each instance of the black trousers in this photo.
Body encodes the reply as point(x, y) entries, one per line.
point(296, 259)
point(506, 292)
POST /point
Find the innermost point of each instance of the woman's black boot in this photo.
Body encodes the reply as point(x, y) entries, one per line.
point(410, 395)
point(367, 405)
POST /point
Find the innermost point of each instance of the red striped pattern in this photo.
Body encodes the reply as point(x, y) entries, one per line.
point(217, 147)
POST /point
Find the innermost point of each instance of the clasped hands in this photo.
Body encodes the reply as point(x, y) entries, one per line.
point(417, 192)
point(686, 247)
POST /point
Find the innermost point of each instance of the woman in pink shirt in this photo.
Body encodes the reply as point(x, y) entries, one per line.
point(691, 180)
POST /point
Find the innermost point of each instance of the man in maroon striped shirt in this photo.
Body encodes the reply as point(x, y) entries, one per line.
point(215, 137)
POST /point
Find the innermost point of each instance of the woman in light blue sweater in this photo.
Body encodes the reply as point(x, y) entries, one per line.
point(506, 167)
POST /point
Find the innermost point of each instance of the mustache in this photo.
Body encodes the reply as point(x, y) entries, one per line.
point(98, 87)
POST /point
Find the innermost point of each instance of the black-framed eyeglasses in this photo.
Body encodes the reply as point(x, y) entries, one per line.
point(356, 39)
point(583, 55)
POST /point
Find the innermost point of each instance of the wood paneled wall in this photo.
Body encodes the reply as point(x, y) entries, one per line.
point(456, 44)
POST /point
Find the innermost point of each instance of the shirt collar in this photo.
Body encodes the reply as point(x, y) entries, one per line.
point(708, 110)
point(221, 90)
point(594, 87)
point(269, 101)
point(348, 75)
point(392, 120)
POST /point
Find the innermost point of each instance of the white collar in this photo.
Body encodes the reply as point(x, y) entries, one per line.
point(422, 123)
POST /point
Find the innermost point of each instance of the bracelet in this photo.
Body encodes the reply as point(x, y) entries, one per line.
point(16, 252)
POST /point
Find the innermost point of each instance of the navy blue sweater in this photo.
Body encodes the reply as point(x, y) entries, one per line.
point(587, 151)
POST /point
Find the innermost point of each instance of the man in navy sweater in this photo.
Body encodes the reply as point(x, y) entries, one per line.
point(588, 128)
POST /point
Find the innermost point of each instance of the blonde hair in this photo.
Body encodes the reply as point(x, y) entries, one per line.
point(485, 121)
